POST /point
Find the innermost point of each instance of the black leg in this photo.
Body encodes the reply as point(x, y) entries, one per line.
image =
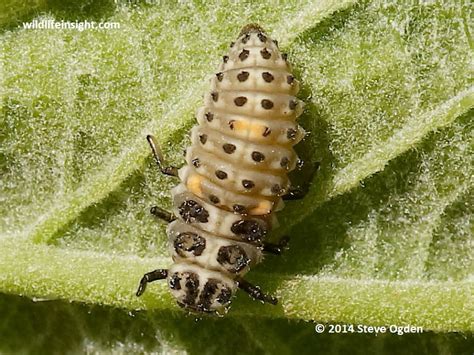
point(255, 292)
point(158, 274)
point(160, 160)
point(294, 193)
point(298, 192)
point(162, 214)
point(276, 248)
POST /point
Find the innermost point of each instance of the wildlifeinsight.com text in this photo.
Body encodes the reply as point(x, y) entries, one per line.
point(69, 25)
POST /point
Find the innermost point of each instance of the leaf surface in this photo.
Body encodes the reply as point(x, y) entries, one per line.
point(384, 235)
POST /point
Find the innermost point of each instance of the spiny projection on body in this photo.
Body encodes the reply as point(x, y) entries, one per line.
point(235, 178)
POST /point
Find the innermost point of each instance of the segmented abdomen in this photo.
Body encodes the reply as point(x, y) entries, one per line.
point(238, 162)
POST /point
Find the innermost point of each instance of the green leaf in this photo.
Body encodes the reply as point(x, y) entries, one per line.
point(78, 328)
point(385, 233)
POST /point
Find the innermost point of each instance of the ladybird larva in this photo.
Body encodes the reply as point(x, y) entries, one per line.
point(235, 177)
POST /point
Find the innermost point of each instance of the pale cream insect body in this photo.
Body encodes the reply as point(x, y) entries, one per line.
point(235, 177)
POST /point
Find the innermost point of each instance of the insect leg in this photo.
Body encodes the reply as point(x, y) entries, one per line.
point(276, 248)
point(299, 192)
point(295, 193)
point(162, 214)
point(159, 159)
point(158, 274)
point(255, 292)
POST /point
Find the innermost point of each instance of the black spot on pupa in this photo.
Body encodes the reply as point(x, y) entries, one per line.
point(191, 288)
point(268, 77)
point(244, 54)
point(233, 258)
point(203, 138)
point(248, 184)
point(220, 76)
point(239, 208)
point(196, 162)
point(290, 79)
point(265, 53)
point(224, 296)
point(207, 295)
point(232, 44)
point(174, 282)
point(192, 212)
point(267, 104)
point(240, 101)
point(249, 230)
point(284, 56)
point(215, 96)
point(243, 76)
point(293, 104)
point(225, 58)
point(258, 157)
point(228, 148)
point(209, 116)
point(262, 37)
point(276, 189)
point(231, 124)
point(285, 162)
point(221, 175)
point(214, 199)
point(291, 133)
point(266, 132)
point(246, 38)
point(189, 242)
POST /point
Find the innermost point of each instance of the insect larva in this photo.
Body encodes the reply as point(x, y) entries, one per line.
point(235, 177)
